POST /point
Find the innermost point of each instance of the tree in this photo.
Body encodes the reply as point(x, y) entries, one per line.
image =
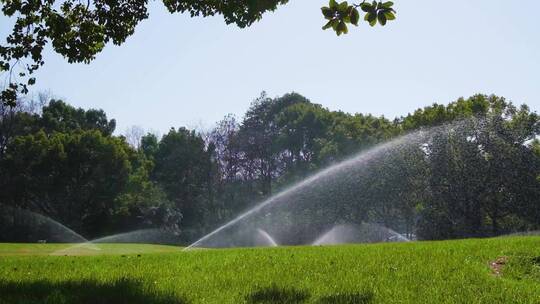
point(258, 138)
point(456, 184)
point(14, 121)
point(226, 151)
point(301, 127)
point(483, 174)
point(74, 178)
point(21, 119)
point(30, 116)
point(64, 163)
point(468, 169)
point(134, 135)
point(79, 30)
point(143, 203)
point(183, 169)
point(351, 133)
point(149, 145)
point(58, 116)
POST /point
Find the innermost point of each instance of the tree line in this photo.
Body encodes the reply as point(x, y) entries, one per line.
point(478, 178)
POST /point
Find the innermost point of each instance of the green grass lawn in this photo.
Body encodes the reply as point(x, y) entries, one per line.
point(82, 249)
point(424, 272)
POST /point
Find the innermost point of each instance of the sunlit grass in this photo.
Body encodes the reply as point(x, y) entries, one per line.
point(82, 249)
point(425, 272)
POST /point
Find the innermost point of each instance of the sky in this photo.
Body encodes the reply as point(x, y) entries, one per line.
point(181, 71)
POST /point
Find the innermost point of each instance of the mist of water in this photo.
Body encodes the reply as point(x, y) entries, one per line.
point(147, 236)
point(306, 208)
point(40, 227)
point(266, 239)
point(143, 236)
point(326, 208)
point(365, 233)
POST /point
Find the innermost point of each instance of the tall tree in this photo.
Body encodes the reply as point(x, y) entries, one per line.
point(58, 116)
point(183, 168)
point(258, 137)
point(483, 178)
point(74, 178)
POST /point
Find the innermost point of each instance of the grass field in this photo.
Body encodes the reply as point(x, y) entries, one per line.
point(425, 272)
point(82, 249)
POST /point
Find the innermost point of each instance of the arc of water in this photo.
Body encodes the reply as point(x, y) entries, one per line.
point(394, 235)
point(50, 221)
point(324, 237)
point(329, 171)
point(62, 227)
point(267, 237)
point(128, 236)
point(109, 239)
point(347, 233)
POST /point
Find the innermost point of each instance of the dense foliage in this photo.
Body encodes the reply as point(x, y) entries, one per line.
point(478, 179)
point(65, 163)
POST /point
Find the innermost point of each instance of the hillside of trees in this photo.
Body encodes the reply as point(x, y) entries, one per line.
point(69, 164)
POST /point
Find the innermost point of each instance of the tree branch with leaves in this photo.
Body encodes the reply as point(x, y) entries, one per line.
point(80, 29)
point(341, 14)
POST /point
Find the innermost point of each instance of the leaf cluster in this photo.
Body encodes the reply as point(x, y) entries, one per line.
point(341, 14)
point(378, 12)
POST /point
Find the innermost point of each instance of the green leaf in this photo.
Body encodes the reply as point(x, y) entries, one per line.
point(330, 24)
point(327, 25)
point(387, 4)
point(382, 18)
point(355, 16)
point(342, 28)
point(366, 7)
point(4, 66)
point(389, 15)
point(335, 24)
point(366, 17)
point(32, 81)
point(333, 4)
point(343, 6)
point(372, 19)
point(327, 12)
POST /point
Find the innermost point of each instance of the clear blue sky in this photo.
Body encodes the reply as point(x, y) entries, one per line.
point(178, 71)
